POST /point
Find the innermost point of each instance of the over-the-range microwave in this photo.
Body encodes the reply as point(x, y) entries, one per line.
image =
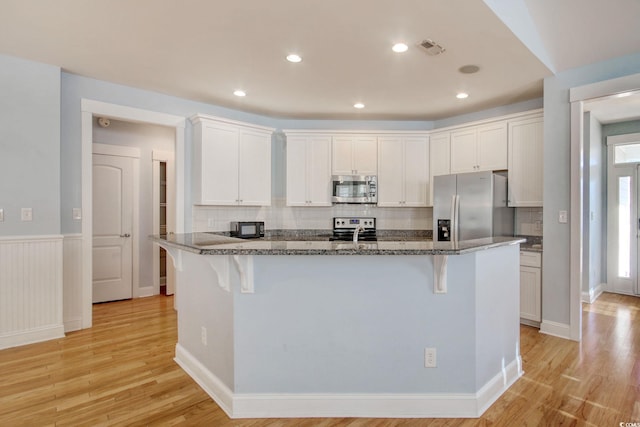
point(354, 189)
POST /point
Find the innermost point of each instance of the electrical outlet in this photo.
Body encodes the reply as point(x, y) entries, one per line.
point(203, 335)
point(27, 214)
point(429, 357)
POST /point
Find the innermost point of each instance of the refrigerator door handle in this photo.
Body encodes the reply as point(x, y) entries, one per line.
point(455, 207)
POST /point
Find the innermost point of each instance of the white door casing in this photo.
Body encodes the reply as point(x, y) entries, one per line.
point(112, 227)
point(168, 159)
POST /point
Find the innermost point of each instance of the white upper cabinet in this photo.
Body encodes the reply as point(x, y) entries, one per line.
point(492, 147)
point(308, 170)
point(439, 158)
point(354, 155)
point(464, 152)
point(479, 148)
point(231, 163)
point(403, 171)
point(526, 162)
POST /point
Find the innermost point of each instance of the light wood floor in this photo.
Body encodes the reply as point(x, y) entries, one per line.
point(121, 372)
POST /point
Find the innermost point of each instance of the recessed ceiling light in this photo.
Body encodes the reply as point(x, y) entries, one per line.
point(462, 95)
point(400, 47)
point(294, 58)
point(358, 105)
point(239, 93)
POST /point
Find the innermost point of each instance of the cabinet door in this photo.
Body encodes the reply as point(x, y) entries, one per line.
point(342, 155)
point(319, 171)
point(296, 171)
point(390, 171)
point(439, 158)
point(254, 168)
point(365, 155)
point(530, 293)
point(526, 162)
point(492, 147)
point(219, 172)
point(464, 156)
point(416, 171)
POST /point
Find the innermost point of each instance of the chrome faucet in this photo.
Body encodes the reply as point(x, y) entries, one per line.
point(357, 230)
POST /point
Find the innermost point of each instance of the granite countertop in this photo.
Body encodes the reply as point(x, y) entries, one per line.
point(314, 244)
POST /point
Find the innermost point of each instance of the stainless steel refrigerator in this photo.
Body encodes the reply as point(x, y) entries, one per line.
point(471, 206)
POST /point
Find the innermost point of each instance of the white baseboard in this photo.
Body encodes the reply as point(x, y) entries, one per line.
point(290, 405)
point(31, 336)
point(71, 325)
point(146, 291)
point(560, 330)
point(593, 294)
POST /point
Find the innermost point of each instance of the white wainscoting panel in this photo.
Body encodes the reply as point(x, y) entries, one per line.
point(30, 289)
point(72, 282)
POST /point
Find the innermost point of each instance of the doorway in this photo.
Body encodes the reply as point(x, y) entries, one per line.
point(623, 214)
point(91, 108)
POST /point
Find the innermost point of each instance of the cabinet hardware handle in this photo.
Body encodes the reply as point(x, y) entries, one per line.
point(125, 235)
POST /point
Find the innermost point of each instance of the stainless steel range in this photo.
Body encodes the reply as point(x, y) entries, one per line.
point(344, 228)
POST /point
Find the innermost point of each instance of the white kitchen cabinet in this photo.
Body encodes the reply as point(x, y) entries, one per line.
point(479, 148)
point(354, 155)
point(526, 162)
point(403, 171)
point(439, 158)
point(231, 163)
point(530, 287)
point(308, 170)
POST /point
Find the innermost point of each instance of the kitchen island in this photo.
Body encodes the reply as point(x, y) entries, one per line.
point(313, 328)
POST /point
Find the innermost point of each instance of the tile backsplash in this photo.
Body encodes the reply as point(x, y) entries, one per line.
point(278, 216)
point(528, 221)
point(282, 217)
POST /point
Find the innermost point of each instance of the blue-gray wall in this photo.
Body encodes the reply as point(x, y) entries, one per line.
point(29, 146)
point(557, 185)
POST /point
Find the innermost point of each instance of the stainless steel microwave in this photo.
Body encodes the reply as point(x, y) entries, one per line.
point(354, 189)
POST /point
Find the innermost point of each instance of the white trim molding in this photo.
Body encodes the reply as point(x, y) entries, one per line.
point(31, 276)
point(556, 329)
point(72, 282)
point(369, 405)
point(89, 108)
point(593, 294)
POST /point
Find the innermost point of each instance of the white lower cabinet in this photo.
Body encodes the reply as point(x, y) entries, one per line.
point(231, 163)
point(308, 170)
point(530, 288)
point(403, 171)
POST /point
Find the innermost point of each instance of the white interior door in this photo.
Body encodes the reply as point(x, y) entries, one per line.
point(112, 227)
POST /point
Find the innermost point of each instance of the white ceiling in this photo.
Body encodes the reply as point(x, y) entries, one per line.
point(205, 49)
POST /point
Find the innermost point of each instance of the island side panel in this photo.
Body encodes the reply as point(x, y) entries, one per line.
point(355, 324)
point(203, 303)
point(498, 313)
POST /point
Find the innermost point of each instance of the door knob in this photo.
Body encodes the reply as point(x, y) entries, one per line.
point(125, 235)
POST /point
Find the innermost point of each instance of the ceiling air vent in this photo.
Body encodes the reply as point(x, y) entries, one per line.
point(431, 47)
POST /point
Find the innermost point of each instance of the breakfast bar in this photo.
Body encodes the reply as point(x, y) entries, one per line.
point(283, 327)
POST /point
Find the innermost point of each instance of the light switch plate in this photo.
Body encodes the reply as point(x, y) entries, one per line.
point(1, 215)
point(26, 214)
point(562, 217)
point(77, 213)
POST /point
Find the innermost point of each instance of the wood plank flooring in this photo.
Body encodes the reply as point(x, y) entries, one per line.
point(121, 372)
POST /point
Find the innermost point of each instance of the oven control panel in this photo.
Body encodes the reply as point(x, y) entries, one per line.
point(350, 223)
